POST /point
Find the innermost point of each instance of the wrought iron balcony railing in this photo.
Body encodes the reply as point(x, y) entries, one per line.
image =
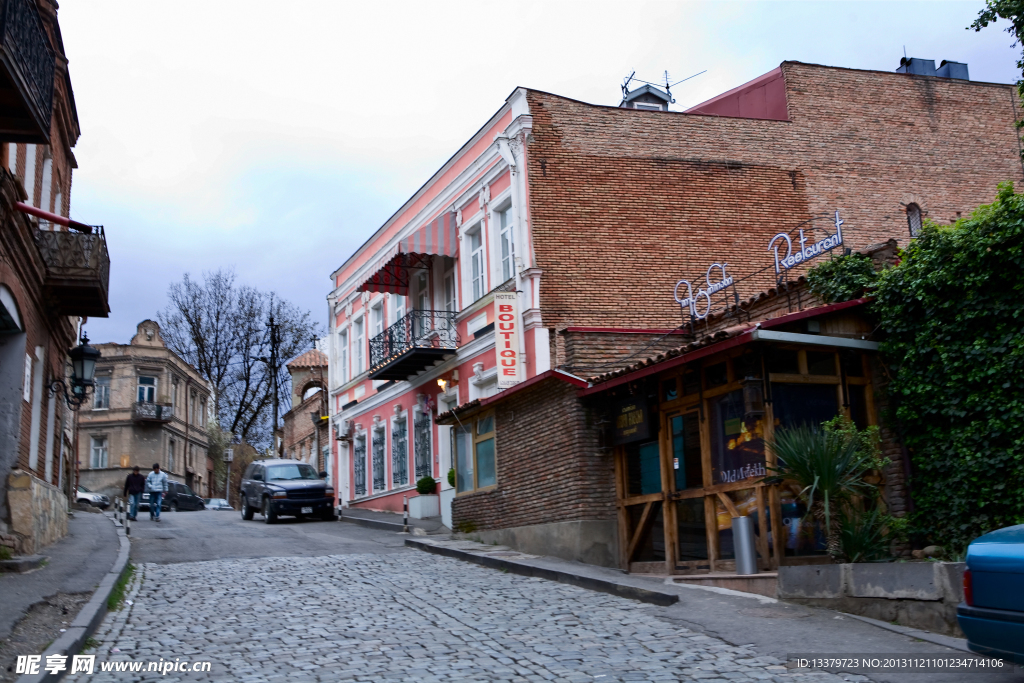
point(28, 64)
point(412, 344)
point(152, 412)
point(77, 271)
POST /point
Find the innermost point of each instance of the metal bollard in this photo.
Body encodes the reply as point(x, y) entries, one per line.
point(743, 544)
point(405, 514)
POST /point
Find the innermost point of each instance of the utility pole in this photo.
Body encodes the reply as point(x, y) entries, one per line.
point(274, 341)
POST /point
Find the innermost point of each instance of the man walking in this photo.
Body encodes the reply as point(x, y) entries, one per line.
point(156, 486)
point(134, 485)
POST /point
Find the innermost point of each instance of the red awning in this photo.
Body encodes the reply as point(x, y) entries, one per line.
point(439, 237)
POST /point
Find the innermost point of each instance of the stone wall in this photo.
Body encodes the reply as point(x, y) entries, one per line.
point(38, 512)
point(916, 594)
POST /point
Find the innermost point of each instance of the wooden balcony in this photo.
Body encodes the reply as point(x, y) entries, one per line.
point(77, 271)
point(27, 67)
point(152, 412)
point(417, 341)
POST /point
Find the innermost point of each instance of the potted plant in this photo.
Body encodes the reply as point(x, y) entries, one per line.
point(427, 503)
point(829, 468)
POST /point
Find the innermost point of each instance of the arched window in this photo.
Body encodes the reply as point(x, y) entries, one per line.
point(914, 219)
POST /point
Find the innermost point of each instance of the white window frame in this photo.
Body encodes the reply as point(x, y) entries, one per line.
point(506, 235)
point(449, 291)
point(99, 452)
point(150, 389)
point(101, 393)
point(30, 172)
point(47, 188)
point(343, 356)
point(359, 345)
point(422, 301)
point(377, 318)
point(477, 262)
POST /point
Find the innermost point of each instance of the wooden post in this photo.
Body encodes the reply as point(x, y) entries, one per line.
point(623, 514)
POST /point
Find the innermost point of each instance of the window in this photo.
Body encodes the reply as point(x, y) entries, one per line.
point(359, 465)
point(44, 201)
point(98, 457)
point(343, 356)
point(147, 389)
point(357, 350)
point(449, 291)
point(30, 172)
point(476, 250)
point(377, 319)
point(422, 293)
point(505, 238)
point(195, 407)
point(170, 455)
point(914, 219)
point(101, 394)
point(399, 307)
point(174, 395)
point(474, 446)
point(378, 460)
point(399, 452)
point(421, 444)
point(202, 412)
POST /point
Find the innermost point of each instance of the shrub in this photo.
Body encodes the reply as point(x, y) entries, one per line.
point(842, 278)
point(451, 477)
point(426, 486)
point(953, 322)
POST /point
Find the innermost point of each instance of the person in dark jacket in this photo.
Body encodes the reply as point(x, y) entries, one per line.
point(134, 485)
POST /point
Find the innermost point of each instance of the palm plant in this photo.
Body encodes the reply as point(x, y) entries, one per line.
point(828, 469)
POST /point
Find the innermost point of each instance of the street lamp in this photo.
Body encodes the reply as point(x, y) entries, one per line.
point(83, 370)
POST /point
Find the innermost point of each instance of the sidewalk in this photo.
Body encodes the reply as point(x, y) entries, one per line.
point(77, 563)
point(392, 521)
point(771, 627)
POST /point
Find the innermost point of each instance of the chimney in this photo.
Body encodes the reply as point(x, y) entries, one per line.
point(956, 70)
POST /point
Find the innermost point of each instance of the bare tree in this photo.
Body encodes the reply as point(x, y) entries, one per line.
point(221, 328)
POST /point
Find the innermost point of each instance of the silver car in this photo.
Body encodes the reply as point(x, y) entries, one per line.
point(84, 495)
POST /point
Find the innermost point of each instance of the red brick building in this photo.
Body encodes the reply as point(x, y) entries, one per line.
point(53, 273)
point(611, 207)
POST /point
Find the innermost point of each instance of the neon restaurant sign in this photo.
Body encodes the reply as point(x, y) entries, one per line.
point(699, 305)
point(804, 253)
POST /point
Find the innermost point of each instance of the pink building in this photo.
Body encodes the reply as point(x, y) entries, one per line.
point(439, 307)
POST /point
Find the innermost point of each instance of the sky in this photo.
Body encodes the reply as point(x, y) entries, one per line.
point(273, 138)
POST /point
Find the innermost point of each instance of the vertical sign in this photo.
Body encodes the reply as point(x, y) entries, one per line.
point(506, 338)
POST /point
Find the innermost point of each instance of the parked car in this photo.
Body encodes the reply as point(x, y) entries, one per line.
point(218, 504)
point(84, 495)
point(285, 487)
point(144, 502)
point(181, 497)
point(992, 613)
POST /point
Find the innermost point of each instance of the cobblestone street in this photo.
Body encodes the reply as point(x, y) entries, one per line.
point(371, 617)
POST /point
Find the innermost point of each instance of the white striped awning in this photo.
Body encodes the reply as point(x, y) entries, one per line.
point(439, 237)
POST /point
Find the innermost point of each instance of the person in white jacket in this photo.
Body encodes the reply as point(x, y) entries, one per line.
point(156, 487)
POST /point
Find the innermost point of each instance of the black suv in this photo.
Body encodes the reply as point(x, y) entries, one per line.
point(285, 487)
point(181, 497)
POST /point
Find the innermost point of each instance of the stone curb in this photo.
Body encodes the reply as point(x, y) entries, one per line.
point(373, 523)
point(88, 620)
point(587, 582)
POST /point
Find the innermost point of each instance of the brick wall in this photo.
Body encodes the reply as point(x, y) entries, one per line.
point(624, 202)
point(549, 468)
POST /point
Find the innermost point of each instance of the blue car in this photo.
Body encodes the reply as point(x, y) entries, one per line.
point(992, 613)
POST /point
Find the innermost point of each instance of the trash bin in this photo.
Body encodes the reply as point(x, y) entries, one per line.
point(743, 545)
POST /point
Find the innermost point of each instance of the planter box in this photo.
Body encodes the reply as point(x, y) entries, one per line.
point(422, 506)
point(447, 496)
point(916, 594)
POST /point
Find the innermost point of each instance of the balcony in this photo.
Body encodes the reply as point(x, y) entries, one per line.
point(414, 343)
point(152, 412)
point(77, 271)
point(27, 67)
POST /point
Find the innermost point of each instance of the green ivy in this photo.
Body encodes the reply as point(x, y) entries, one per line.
point(842, 278)
point(952, 314)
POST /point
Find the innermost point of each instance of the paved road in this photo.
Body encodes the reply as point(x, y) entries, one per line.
point(319, 601)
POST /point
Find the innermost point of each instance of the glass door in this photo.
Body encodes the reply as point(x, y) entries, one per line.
point(688, 477)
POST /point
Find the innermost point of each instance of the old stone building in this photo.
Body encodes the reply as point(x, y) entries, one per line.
point(53, 272)
point(149, 406)
point(306, 433)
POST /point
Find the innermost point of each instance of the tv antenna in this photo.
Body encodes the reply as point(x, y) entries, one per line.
point(666, 85)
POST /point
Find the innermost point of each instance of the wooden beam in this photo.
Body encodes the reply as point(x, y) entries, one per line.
point(638, 533)
point(623, 516)
point(711, 524)
point(762, 524)
point(729, 505)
